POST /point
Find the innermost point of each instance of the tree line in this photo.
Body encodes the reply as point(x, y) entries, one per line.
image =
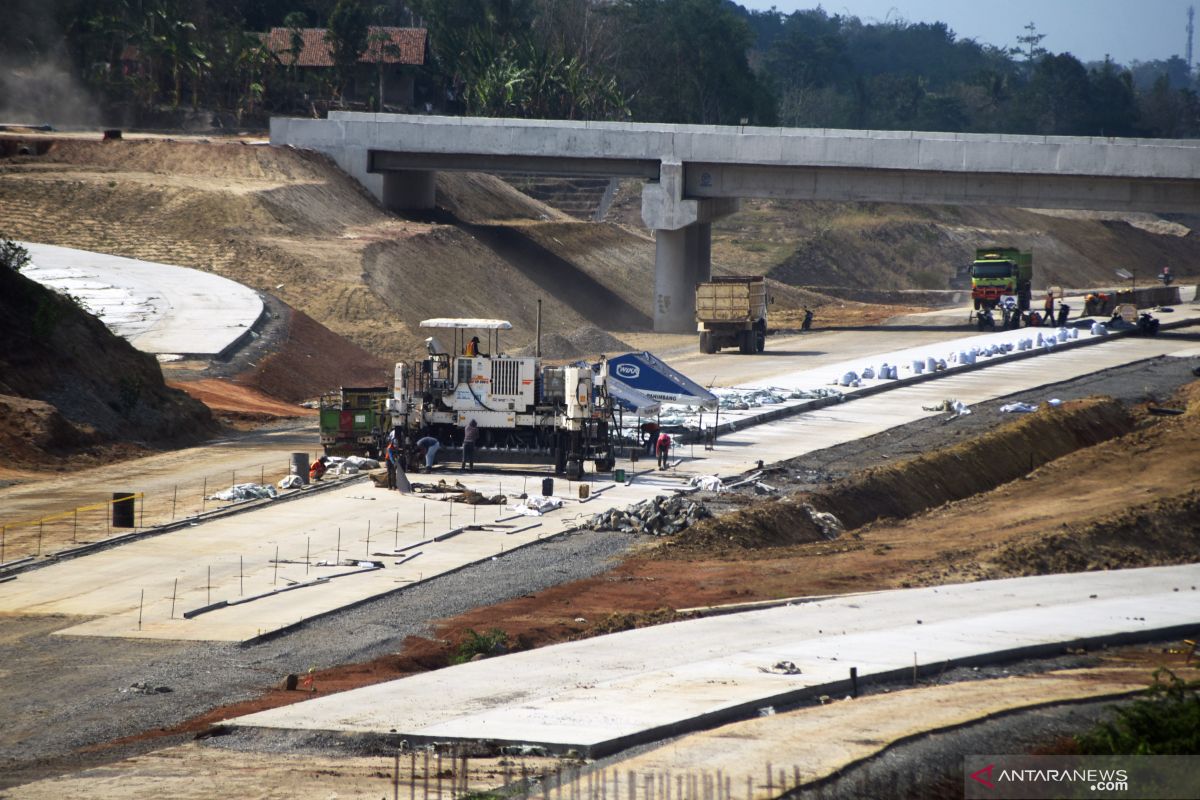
point(684, 61)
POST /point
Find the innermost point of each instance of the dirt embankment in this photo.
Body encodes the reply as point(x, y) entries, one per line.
point(310, 360)
point(69, 388)
point(910, 487)
point(878, 246)
point(290, 223)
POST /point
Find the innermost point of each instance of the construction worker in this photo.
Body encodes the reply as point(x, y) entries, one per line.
point(470, 438)
point(1064, 311)
point(664, 449)
point(428, 447)
point(391, 459)
point(472, 348)
point(1048, 316)
point(317, 470)
point(650, 431)
point(808, 316)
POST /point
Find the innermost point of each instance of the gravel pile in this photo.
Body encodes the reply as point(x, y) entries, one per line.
point(582, 343)
point(660, 516)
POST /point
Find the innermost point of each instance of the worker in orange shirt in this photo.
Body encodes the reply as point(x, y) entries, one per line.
point(317, 470)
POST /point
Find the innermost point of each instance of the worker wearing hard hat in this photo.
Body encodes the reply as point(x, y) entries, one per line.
point(472, 348)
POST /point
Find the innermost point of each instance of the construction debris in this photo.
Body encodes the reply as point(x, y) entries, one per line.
point(735, 399)
point(831, 527)
point(141, 687)
point(957, 408)
point(245, 491)
point(471, 497)
point(707, 483)
point(781, 668)
point(537, 505)
point(660, 516)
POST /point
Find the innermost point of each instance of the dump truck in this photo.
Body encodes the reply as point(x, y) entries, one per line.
point(732, 312)
point(998, 272)
point(526, 412)
point(354, 420)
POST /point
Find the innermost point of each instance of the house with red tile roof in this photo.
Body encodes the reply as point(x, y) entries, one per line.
point(394, 52)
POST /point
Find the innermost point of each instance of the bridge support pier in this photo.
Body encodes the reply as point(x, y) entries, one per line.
point(409, 190)
point(682, 258)
point(683, 246)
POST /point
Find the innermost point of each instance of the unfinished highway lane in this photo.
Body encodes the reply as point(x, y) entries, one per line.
point(160, 308)
point(612, 692)
point(143, 588)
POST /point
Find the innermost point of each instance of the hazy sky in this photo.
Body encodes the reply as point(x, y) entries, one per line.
point(1127, 30)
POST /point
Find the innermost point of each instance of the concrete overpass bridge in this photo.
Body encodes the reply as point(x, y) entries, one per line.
point(696, 174)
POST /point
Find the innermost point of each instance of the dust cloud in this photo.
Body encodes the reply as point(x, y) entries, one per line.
point(44, 92)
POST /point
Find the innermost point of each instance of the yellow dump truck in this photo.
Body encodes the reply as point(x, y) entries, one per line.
point(732, 312)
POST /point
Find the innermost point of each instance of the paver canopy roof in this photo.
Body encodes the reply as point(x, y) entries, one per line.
point(456, 322)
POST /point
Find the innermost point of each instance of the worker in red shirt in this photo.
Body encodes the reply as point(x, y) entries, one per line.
point(317, 470)
point(664, 448)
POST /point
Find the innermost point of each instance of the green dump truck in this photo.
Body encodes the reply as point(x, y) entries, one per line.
point(732, 312)
point(355, 421)
point(998, 272)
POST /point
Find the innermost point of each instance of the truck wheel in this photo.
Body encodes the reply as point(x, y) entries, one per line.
point(746, 342)
point(706, 343)
point(605, 464)
point(574, 469)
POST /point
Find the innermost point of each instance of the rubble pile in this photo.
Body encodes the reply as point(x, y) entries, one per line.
point(734, 399)
point(660, 516)
point(245, 491)
point(829, 525)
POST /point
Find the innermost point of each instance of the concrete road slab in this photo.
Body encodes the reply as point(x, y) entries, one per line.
point(858, 417)
point(809, 744)
point(143, 588)
point(912, 363)
point(608, 693)
point(158, 308)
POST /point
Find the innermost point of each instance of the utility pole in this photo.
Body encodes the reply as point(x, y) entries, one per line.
point(1191, 30)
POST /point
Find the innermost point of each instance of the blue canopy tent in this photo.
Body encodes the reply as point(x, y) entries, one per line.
point(648, 375)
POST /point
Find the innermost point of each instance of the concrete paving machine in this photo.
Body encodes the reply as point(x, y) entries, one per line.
point(526, 412)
